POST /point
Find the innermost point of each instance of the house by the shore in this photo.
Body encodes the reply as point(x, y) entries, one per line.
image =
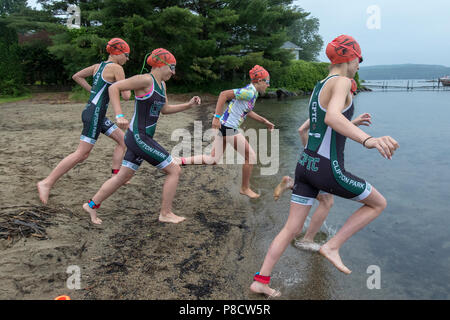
point(295, 49)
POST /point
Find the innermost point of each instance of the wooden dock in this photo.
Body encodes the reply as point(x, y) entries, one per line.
point(437, 85)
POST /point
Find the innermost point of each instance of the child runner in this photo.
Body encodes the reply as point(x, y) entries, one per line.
point(151, 100)
point(241, 105)
point(94, 114)
point(321, 166)
point(325, 199)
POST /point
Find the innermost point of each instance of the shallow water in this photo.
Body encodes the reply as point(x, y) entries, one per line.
point(409, 241)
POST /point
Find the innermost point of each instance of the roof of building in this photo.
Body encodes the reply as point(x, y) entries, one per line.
point(290, 45)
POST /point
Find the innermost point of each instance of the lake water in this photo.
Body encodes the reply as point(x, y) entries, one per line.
point(409, 241)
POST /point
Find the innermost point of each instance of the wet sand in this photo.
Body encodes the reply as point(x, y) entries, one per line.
point(131, 255)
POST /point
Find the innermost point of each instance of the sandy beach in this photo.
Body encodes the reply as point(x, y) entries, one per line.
point(131, 255)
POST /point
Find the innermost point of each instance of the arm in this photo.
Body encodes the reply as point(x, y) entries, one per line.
point(80, 76)
point(133, 83)
point(334, 117)
point(119, 75)
point(223, 97)
point(303, 131)
point(363, 120)
point(263, 120)
point(336, 120)
point(169, 109)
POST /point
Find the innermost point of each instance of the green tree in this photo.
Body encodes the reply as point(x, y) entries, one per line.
point(304, 33)
point(33, 61)
point(215, 42)
point(11, 80)
point(12, 6)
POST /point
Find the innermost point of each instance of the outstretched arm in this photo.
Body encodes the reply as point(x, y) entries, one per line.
point(80, 76)
point(261, 119)
point(364, 119)
point(169, 109)
point(336, 120)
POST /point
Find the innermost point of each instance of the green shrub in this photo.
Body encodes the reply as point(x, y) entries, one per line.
point(302, 75)
point(12, 88)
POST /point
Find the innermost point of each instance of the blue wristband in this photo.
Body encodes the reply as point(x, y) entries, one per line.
point(217, 116)
point(119, 116)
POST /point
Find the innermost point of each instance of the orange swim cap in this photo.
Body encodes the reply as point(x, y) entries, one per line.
point(62, 298)
point(343, 49)
point(117, 46)
point(160, 57)
point(258, 73)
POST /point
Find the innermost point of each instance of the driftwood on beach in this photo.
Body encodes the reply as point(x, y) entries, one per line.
point(25, 221)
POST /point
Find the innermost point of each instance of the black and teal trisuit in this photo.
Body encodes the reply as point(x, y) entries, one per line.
point(321, 165)
point(139, 136)
point(94, 114)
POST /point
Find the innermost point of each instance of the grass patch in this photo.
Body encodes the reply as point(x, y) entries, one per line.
point(6, 99)
point(79, 95)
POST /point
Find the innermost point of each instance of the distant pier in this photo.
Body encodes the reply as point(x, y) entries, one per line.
point(409, 85)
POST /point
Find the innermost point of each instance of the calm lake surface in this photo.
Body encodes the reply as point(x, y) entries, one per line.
point(409, 241)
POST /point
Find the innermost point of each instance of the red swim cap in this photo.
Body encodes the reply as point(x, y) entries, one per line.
point(117, 46)
point(343, 49)
point(159, 56)
point(258, 73)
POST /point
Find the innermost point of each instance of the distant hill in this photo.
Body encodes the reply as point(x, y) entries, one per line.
point(403, 71)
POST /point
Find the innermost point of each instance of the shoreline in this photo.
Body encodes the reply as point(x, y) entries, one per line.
point(131, 255)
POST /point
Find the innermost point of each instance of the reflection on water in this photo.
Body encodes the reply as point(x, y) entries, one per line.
point(410, 240)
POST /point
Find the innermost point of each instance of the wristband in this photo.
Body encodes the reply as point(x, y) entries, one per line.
point(119, 116)
point(217, 116)
point(364, 143)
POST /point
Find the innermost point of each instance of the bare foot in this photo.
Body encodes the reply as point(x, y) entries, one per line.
point(285, 184)
point(335, 259)
point(171, 218)
point(249, 193)
point(308, 245)
point(258, 287)
point(92, 213)
point(44, 191)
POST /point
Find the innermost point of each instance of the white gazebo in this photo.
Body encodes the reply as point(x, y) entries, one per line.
point(293, 48)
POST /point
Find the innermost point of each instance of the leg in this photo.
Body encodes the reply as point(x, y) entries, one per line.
point(107, 189)
point(217, 151)
point(374, 204)
point(318, 218)
point(173, 172)
point(294, 225)
point(285, 184)
point(119, 151)
point(242, 146)
point(81, 154)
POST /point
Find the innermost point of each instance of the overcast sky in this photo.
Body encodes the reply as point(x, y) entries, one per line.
point(410, 31)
